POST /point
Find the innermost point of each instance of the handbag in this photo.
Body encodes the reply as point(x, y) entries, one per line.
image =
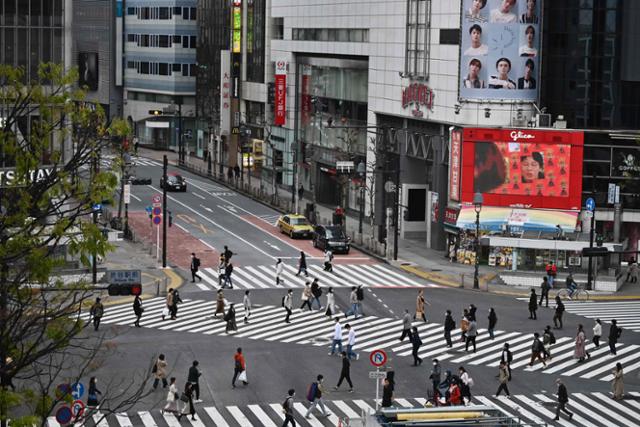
point(184, 397)
point(176, 396)
point(165, 311)
point(243, 376)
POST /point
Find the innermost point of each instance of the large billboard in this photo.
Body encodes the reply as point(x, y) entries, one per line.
point(500, 49)
point(88, 70)
point(523, 167)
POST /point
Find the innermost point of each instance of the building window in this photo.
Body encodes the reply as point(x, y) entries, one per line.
point(163, 69)
point(192, 42)
point(450, 36)
point(357, 35)
point(185, 13)
point(164, 13)
point(177, 68)
point(177, 39)
point(416, 63)
point(278, 29)
point(177, 11)
point(163, 41)
point(131, 11)
point(131, 38)
point(193, 13)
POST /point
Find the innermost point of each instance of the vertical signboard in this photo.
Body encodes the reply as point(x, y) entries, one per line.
point(454, 165)
point(236, 20)
point(225, 92)
point(280, 114)
point(305, 98)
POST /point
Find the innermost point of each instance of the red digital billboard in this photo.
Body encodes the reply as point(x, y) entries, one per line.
point(523, 167)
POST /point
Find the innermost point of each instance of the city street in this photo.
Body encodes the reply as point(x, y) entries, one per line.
point(209, 216)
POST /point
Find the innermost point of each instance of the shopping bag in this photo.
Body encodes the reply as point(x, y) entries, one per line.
point(243, 376)
point(165, 311)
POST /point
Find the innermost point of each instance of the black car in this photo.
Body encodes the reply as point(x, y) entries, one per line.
point(331, 237)
point(174, 182)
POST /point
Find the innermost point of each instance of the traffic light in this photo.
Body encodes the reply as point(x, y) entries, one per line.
point(116, 289)
point(155, 112)
point(599, 240)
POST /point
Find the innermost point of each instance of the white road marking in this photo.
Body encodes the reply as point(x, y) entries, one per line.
point(198, 195)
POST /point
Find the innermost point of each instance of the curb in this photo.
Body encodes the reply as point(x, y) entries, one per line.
point(175, 281)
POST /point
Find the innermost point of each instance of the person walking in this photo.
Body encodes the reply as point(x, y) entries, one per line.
point(552, 271)
point(345, 372)
point(533, 305)
point(316, 293)
point(337, 338)
point(472, 312)
point(194, 378)
point(493, 320)
point(406, 325)
point(614, 336)
point(239, 366)
point(230, 318)
point(96, 312)
point(544, 291)
point(351, 341)
point(597, 333)
point(617, 382)
point(472, 333)
point(563, 399)
point(328, 257)
point(306, 297)
point(279, 270)
point(557, 316)
point(353, 301)
point(169, 303)
point(360, 299)
point(548, 339)
point(172, 398)
point(506, 357)
point(331, 303)
point(632, 271)
point(302, 264)
point(503, 379)
point(160, 372)
point(466, 383)
point(420, 302)
point(287, 408)
point(287, 303)
point(580, 350)
point(455, 394)
point(92, 396)
point(387, 393)
point(219, 303)
point(537, 350)
point(188, 408)
point(464, 325)
point(227, 254)
point(174, 307)
point(195, 266)
point(449, 325)
point(435, 376)
point(222, 265)
point(137, 310)
point(228, 271)
point(246, 303)
point(416, 342)
point(316, 390)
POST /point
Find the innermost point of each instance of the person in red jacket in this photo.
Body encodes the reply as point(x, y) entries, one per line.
point(455, 396)
point(239, 366)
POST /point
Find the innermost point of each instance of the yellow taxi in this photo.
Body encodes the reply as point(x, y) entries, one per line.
point(295, 225)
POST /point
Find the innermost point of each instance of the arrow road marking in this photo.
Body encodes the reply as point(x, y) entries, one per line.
point(206, 208)
point(273, 246)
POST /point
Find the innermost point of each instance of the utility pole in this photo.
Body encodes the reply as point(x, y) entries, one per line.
point(94, 213)
point(165, 164)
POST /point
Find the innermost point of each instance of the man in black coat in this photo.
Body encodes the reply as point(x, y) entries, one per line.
point(194, 378)
point(557, 317)
point(614, 335)
point(506, 357)
point(449, 325)
point(345, 372)
point(563, 399)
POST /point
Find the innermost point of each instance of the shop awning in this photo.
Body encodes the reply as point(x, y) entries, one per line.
point(517, 219)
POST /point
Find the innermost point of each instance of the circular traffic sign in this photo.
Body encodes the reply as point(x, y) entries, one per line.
point(157, 211)
point(63, 390)
point(77, 390)
point(378, 358)
point(156, 198)
point(590, 204)
point(157, 220)
point(77, 409)
point(64, 415)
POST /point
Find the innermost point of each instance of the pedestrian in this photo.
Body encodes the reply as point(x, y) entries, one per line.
point(222, 265)
point(328, 257)
point(230, 175)
point(227, 255)
point(306, 296)
point(472, 333)
point(228, 271)
point(632, 271)
point(557, 316)
point(360, 298)
point(314, 396)
point(172, 398)
point(300, 192)
point(187, 402)
point(493, 320)
point(236, 173)
point(503, 379)
point(416, 342)
point(345, 372)
point(287, 408)
point(331, 302)
point(597, 333)
point(537, 349)
point(464, 325)
point(239, 366)
point(454, 393)
point(406, 325)
point(337, 338)
point(552, 271)
point(614, 336)
point(169, 303)
point(351, 341)
point(230, 318)
point(533, 305)
point(548, 339)
point(435, 376)
point(316, 293)
point(195, 265)
point(544, 291)
point(279, 268)
point(174, 307)
point(506, 357)
point(449, 325)
point(617, 382)
point(563, 399)
point(96, 312)
point(246, 303)
point(302, 264)
point(287, 303)
point(160, 372)
point(137, 310)
point(580, 350)
point(420, 315)
point(194, 378)
point(92, 397)
point(466, 382)
point(353, 301)
point(472, 312)
point(219, 303)
point(387, 393)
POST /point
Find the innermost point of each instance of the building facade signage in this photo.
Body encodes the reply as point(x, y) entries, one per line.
point(451, 215)
point(416, 95)
point(225, 92)
point(518, 135)
point(281, 93)
point(8, 176)
point(454, 165)
point(236, 14)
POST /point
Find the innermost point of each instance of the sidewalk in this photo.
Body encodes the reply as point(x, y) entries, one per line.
point(413, 256)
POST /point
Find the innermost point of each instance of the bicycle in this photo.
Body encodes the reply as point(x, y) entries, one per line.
point(580, 294)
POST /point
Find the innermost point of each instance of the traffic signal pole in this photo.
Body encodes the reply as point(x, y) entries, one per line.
point(165, 164)
point(591, 237)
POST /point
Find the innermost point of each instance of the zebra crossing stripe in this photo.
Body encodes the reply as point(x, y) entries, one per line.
point(605, 410)
point(572, 362)
point(147, 419)
point(123, 420)
point(534, 406)
point(582, 421)
point(262, 416)
point(215, 416)
point(593, 372)
point(488, 402)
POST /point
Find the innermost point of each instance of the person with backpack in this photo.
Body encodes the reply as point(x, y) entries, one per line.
point(96, 312)
point(195, 266)
point(506, 357)
point(279, 269)
point(533, 305)
point(287, 409)
point(328, 257)
point(174, 307)
point(302, 264)
point(360, 298)
point(345, 372)
point(287, 303)
point(416, 342)
point(449, 325)
point(331, 303)
point(557, 316)
point(548, 339)
point(493, 320)
point(159, 371)
point(614, 336)
point(544, 291)
point(316, 293)
point(306, 297)
point(537, 349)
point(353, 300)
point(228, 271)
point(230, 318)
point(314, 396)
point(337, 338)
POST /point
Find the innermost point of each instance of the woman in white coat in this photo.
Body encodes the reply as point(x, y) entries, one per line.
point(597, 333)
point(331, 303)
point(279, 268)
point(172, 398)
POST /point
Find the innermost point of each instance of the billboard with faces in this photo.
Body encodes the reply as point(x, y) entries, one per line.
point(500, 49)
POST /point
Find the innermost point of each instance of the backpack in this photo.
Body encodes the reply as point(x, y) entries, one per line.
point(285, 405)
point(196, 262)
point(155, 368)
point(360, 294)
point(312, 392)
point(552, 338)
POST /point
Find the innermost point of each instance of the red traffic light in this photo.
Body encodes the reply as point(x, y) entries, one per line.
point(136, 289)
point(124, 289)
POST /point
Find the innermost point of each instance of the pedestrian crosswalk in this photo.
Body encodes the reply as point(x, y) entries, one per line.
point(314, 328)
point(106, 162)
point(343, 275)
point(595, 409)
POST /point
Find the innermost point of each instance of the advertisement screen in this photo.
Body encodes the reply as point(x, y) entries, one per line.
point(521, 168)
point(88, 70)
point(500, 49)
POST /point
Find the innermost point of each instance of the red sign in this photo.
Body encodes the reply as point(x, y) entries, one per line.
point(454, 165)
point(451, 216)
point(305, 97)
point(378, 358)
point(418, 94)
point(281, 93)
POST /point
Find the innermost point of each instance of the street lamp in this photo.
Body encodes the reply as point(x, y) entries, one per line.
point(361, 170)
point(477, 205)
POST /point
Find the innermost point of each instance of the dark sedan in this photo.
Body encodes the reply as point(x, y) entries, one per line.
point(175, 182)
point(331, 237)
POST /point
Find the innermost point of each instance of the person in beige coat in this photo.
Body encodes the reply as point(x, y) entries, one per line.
point(420, 302)
point(160, 372)
point(169, 302)
point(617, 383)
point(219, 304)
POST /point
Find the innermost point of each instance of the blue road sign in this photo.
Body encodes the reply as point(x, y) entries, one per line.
point(77, 390)
point(97, 207)
point(157, 211)
point(63, 415)
point(157, 220)
point(590, 204)
point(148, 209)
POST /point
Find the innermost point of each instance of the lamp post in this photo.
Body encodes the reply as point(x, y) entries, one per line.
point(477, 205)
point(361, 169)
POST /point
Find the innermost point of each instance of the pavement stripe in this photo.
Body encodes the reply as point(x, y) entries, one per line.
point(240, 418)
point(592, 373)
point(535, 406)
point(299, 407)
point(262, 416)
point(486, 401)
point(582, 421)
point(147, 419)
point(215, 416)
point(619, 407)
point(390, 272)
point(589, 364)
point(520, 410)
point(605, 410)
point(558, 353)
point(171, 419)
point(572, 362)
point(270, 282)
point(345, 409)
point(123, 420)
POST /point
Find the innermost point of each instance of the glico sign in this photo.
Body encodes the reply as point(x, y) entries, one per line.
point(418, 94)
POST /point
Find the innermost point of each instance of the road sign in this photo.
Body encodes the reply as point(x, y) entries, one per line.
point(127, 193)
point(377, 374)
point(590, 204)
point(148, 209)
point(156, 198)
point(122, 277)
point(64, 415)
point(97, 207)
point(63, 390)
point(77, 409)
point(157, 211)
point(157, 220)
point(378, 358)
point(77, 390)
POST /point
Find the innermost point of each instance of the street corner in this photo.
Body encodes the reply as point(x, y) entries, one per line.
point(432, 276)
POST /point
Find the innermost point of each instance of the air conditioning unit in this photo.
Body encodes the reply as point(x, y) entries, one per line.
point(543, 120)
point(522, 122)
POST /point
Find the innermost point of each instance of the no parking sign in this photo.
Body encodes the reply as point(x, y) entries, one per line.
point(77, 409)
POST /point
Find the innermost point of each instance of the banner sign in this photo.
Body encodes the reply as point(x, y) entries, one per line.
point(454, 165)
point(280, 114)
point(225, 92)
